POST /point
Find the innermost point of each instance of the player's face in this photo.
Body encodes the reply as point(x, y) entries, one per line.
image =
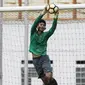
point(41, 26)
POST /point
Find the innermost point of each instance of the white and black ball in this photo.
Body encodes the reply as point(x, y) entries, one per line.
point(52, 8)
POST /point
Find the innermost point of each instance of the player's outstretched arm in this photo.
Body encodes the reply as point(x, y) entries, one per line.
point(33, 29)
point(54, 24)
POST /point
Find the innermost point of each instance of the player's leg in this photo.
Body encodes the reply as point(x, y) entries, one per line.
point(44, 70)
point(46, 81)
point(53, 82)
point(48, 78)
point(38, 66)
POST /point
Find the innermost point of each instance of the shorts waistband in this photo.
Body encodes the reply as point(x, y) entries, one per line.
point(35, 56)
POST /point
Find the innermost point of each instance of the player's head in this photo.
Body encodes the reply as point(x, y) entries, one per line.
point(41, 25)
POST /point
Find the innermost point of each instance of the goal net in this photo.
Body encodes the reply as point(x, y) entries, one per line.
point(66, 47)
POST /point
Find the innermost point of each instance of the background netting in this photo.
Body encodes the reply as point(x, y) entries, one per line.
point(66, 47)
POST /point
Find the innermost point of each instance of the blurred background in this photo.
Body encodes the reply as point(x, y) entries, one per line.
point(74, 13)
point(40, 2)
point(66, 47)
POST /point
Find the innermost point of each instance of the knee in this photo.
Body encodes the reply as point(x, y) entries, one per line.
point(47, 78)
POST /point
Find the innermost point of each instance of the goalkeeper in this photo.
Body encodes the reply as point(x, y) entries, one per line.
point(38, 48)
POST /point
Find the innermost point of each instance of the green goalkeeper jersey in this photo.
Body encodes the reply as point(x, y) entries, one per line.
point(38, 42)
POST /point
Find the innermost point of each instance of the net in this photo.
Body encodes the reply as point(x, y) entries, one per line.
point(66, 47)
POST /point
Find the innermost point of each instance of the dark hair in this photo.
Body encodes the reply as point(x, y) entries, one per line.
point(42, 20)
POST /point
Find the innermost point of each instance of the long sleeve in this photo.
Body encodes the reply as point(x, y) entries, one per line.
point(33, 28)
point(52, 29)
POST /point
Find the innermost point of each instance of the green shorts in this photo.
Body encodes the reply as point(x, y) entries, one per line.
point(42, 65)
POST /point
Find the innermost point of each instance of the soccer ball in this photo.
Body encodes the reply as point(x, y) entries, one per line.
point(52, 8)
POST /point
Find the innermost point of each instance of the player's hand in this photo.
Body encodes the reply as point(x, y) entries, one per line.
point(56, 14)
